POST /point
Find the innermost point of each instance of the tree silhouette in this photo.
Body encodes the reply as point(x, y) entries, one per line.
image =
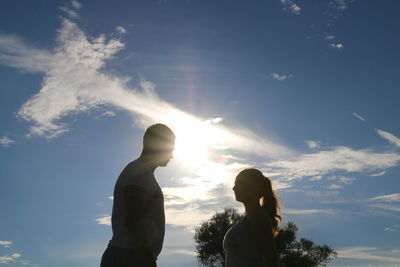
point(293, 253)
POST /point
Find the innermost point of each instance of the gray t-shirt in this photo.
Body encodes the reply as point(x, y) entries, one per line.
point(240, 248)
point(138, 173)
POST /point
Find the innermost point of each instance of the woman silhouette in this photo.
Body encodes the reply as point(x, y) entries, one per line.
point(250, 242)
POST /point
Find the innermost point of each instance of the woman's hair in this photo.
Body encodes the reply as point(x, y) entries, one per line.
point(269, 200)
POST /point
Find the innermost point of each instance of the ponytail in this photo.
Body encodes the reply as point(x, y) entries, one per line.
point(270, 203)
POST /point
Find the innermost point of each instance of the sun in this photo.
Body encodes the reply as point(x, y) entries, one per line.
point(195, 139)
point(191, 149)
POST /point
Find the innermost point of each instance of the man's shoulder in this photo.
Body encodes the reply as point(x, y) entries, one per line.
point(136, 172)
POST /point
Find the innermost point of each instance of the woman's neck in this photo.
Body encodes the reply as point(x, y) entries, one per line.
point(251, 207)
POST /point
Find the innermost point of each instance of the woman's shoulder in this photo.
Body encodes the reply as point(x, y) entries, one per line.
point(233, 235)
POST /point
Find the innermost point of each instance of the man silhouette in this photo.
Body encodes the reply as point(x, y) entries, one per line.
point(138, 220)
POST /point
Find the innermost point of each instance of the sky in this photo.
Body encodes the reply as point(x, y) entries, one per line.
point(306, 91)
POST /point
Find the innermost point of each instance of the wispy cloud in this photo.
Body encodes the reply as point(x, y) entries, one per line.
point(291, 6)
point(105, 220)
point(6, 141)
point(5, 243)
point(280, 77)
point(336, 159)
point(329, 37)
point(367, 253)
point(6, 259)
point(358, 116)
point(387, 198)
point(390, 137)
point(390, 202)
point(74, 82)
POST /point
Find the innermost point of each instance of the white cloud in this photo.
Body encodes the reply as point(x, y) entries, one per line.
point(280, 77)
point(71, 13)
point(76, 4)
point(14, 53)
point(6, 141)
point(5, 243)
point(292, 6)
point(390, 137)
point(387, 198)
point(74, 82)
point(6, 259)
point(108, 113)
point(313, 144)
point(340, 5)
point(367, 253)
point(394, 228)
point(337, 159)
point(358, 116)
point(395, 208)
point(342, 179)
point(215, 120)
point(378, 173)
point(336, 46)
point(167, 252)
point(105, 220)
point(120, 29)
point(329, 37)
point(335, 186)
point(309, 211)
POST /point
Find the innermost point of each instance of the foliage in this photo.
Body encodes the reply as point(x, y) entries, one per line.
point(303, 252)
point(293, 253)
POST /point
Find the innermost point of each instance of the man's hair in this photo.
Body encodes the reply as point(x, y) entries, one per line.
point(157, 136)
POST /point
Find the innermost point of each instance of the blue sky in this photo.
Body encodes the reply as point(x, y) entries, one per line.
point(307, 91)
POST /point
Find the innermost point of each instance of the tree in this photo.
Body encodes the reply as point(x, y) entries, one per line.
point(302, 253)
point(293, 253)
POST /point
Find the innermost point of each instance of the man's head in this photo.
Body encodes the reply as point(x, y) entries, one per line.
point(158, 144)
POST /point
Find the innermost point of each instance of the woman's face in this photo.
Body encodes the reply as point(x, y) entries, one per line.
point(243, 191)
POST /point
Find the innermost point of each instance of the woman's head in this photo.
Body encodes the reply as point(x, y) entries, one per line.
point(251, 186)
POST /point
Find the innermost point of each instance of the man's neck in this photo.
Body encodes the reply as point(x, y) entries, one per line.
point(148, 161)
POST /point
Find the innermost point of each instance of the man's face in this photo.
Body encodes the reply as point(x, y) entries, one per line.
point(167, 153)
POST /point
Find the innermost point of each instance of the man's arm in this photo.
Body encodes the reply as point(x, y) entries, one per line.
point(135, 211)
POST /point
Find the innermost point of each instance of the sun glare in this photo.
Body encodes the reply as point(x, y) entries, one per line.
point(194, 140)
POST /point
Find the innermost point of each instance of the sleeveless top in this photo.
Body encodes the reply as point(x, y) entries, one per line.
point(137, 173)
point(240, 248)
